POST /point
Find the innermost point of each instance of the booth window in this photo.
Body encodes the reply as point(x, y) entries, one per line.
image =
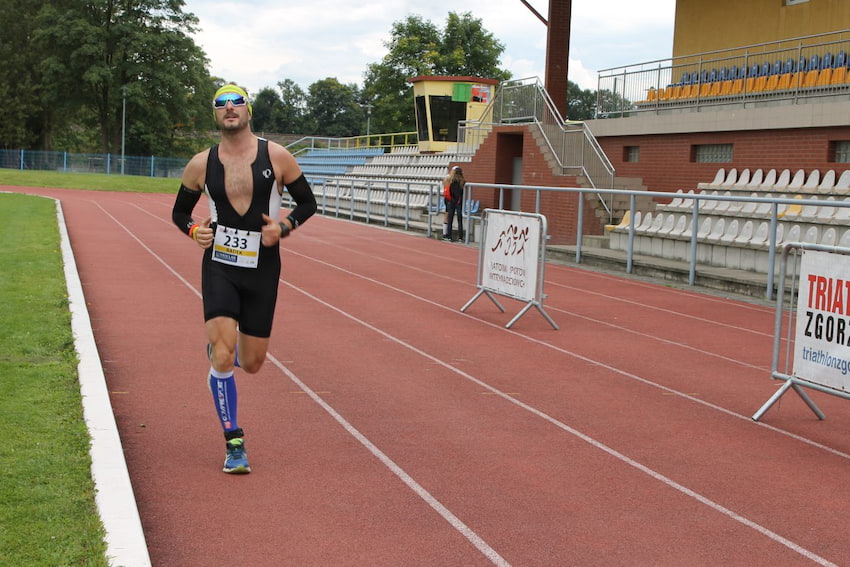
point(631, 154)
point(421, 119)
point(445, 114)
point(842, 151)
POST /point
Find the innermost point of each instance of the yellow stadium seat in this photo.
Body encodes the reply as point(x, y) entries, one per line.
point(651, 95)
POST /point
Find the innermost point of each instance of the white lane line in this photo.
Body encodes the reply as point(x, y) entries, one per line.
point(420, 491)
point(583, 358)
point(116, 502)
point(559, 310)
point(591, 361)
point(586, 438)
point(438, 507)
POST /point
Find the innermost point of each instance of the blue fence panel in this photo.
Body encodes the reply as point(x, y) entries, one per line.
point(50, 161)
point(147, 166)
point(10, 159)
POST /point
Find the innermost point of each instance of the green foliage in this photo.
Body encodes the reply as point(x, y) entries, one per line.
point(284, 113)
point(293, 108)
point(581, 103)
point(333, 109)
point(47, 510)
point(80, 60)
point(417, 47)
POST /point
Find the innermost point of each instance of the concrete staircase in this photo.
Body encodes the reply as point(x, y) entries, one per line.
point(618, 204)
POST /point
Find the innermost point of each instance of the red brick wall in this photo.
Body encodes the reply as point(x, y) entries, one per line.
point(665, 159)
point(493, 163)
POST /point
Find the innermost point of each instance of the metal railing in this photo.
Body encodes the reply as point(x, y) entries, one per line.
point(392, 140)
point(110, 164)
point(695, 198)
point(748, 74)
point(573, 145)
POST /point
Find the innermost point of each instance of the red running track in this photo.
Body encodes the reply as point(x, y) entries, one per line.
point(389, 429)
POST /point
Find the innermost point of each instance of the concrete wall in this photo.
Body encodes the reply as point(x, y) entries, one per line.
point(493, 163)
point(709, 25)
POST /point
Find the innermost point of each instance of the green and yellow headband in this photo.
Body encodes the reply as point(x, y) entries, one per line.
point(234, 94)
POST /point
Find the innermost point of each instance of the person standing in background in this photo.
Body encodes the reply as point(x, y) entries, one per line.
point(456, 183)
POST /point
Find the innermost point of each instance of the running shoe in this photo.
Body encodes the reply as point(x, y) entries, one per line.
point(236, 461)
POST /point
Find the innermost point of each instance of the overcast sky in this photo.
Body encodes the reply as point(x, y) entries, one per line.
point(261, 42)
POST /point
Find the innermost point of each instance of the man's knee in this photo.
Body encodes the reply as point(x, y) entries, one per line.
point(252, 364)
point(223, 356)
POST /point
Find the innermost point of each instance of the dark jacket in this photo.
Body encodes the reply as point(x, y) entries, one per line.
point(457, 192)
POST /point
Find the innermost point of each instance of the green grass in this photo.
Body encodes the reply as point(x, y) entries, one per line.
point(48, 516)
point(92, 181)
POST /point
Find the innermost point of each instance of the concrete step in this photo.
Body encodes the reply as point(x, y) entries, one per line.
point(750, 285)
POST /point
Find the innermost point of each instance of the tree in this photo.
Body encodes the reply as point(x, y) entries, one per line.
point(581, 102)
point(418, 47)
point(87, 57)
point(333, 109)
point(20, 77)
point(266, 110)
point(467, 49)
point(293, 108)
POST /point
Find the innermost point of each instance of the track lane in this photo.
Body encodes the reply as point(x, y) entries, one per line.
point(352, 292)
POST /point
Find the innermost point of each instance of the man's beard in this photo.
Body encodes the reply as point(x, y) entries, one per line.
point(231, 126)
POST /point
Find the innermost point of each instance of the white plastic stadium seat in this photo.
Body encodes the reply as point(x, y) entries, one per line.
point(782, 182)
point(827, 183)
point(829, 237)
point(719, 177)
point(645, 223)
point(731, 179)
point(769, 181)
point(717, 229)
point(811, 235)
point(811, 184)
point(743, 180)
point(746, 234)
point(669, 224)
point(731, 232)
point(842, 214)
point(682, 224)
point(704, 228)
point(756, 180)
point(796, 184)
point(723, 206)
point(844, 241)
point(761, 235)
point(793, 234)
point(842, 186)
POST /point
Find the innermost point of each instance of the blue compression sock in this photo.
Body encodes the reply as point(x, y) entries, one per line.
point(223, 388)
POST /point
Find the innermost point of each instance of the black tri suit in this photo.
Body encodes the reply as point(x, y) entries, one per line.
point(239, 276)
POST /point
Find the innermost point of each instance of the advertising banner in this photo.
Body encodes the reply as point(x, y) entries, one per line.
point(511, 250)
point(822, 334)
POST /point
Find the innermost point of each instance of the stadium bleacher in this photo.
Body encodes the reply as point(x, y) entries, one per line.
point(817, 72)
point(402, 185)
point(735, 234)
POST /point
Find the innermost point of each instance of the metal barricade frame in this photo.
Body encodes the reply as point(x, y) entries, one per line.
point(792, 381)
point(506, 247)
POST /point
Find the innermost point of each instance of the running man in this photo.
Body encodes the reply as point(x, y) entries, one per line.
point(240, 238)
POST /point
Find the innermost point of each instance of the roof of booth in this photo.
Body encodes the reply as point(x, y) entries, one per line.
point(453, 79)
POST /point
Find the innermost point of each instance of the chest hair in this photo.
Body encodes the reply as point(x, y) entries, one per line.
point(239, 180)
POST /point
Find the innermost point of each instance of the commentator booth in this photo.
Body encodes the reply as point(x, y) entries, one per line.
point(442, 102)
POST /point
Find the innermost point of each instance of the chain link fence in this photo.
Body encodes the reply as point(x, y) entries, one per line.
point(110, 164)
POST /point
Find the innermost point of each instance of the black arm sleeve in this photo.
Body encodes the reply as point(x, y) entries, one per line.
point(304, 198)
point(181, 214)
